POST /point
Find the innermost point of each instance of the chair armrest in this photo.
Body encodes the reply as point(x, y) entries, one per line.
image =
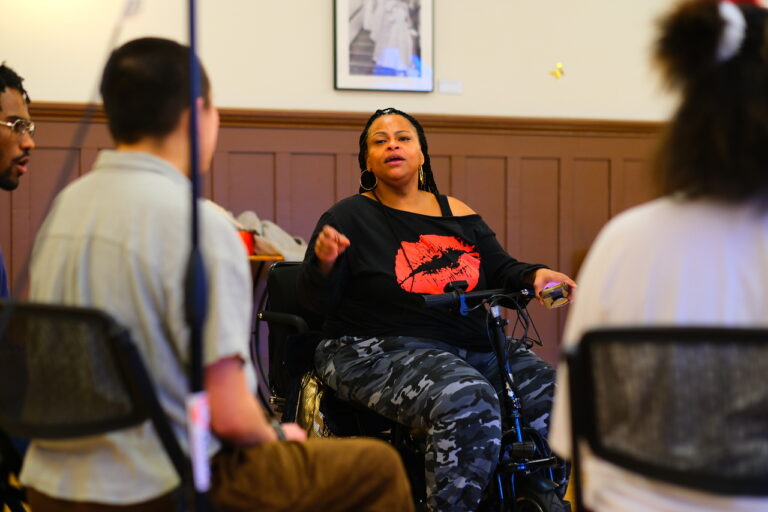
point(295, 321)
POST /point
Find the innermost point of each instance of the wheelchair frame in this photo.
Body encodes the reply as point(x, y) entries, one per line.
point(528, 451)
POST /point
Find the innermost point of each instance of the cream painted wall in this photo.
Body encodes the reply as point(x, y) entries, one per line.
point(278, 54)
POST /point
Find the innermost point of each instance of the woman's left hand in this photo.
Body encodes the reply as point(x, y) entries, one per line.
point(544, 278)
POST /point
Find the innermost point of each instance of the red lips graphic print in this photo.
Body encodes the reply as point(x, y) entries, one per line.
point(434, 261)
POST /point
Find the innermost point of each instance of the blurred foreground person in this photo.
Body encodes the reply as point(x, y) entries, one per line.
point(699, 254)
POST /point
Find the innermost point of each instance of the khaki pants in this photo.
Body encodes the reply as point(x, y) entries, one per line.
point(319, 475)
point(39, 502)
point(333, 475)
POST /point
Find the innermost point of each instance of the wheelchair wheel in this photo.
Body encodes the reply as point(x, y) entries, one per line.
point(533, 500)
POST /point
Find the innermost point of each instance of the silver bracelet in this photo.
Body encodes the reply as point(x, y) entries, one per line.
point(278, 429)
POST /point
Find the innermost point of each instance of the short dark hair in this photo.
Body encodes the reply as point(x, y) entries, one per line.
point(429, 179)
point(716, 145)
point(145, 88)
point(9, 79)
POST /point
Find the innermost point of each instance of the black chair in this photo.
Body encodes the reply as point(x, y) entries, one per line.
point(682, 405)
point(294, 333)
point(69, 372)
point(291, 337)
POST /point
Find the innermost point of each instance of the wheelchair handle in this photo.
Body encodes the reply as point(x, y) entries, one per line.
point(457, 299)
point(452, 299)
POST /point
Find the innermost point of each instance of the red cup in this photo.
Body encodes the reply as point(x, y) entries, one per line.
point(248, 242)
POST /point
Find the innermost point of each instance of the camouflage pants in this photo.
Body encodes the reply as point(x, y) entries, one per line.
point(448, 392)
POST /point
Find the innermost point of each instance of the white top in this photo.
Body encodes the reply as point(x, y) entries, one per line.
point(670, 262)
point(118, 239)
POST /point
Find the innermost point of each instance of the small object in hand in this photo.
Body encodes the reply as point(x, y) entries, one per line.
point(556, 296)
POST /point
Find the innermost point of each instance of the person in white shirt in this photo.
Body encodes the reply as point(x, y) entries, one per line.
point(699, 254)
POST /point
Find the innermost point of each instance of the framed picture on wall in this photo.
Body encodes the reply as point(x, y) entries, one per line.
point(384, 45)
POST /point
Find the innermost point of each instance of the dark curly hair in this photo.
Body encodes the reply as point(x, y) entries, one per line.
point(429, 180)
point(716, 144)
point(9, 79)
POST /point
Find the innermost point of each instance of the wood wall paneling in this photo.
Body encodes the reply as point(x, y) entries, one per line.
point(630, 184)
point(486, 191)
point(245, 181)
point(545, 186)
point(347, 175)
point(441, 171)
point(312, 190)
point(539, 210)
point(282, 189)
point(591, 195)
point(539, 227)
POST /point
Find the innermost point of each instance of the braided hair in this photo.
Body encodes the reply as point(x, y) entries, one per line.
point(429, 180)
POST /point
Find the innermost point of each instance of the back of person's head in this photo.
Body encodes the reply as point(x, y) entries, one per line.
point(145, 88)
point(429, 180)
point(716, 145)
point(10, 80)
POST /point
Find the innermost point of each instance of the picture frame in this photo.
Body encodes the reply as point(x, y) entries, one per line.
point(384, 45)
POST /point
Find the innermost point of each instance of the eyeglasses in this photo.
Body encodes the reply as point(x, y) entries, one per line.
point(21, 126)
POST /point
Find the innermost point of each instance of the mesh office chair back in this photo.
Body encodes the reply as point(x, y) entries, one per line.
point(688, 406)
point(68, 372)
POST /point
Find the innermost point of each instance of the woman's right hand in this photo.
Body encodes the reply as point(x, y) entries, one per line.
point(329, 245)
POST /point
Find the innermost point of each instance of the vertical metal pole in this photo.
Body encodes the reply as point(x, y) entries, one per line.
point(196, 285)
point(196, 293)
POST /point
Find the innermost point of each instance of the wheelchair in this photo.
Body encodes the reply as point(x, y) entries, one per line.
point(524, 479)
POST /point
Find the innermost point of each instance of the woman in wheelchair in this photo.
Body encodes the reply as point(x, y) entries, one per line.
point(370, 259)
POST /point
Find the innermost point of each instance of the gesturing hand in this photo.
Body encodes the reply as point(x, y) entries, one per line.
point(329, 245)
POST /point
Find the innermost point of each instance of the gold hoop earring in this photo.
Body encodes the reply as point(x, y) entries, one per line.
point(421, 176)
point(365, 180)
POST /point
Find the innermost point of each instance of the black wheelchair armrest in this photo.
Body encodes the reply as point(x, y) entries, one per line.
point(295, 321)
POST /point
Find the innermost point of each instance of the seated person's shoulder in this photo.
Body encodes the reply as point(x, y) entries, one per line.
point(459, 208)
point(350, 203)
point(215, 213)
point(351, 208)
